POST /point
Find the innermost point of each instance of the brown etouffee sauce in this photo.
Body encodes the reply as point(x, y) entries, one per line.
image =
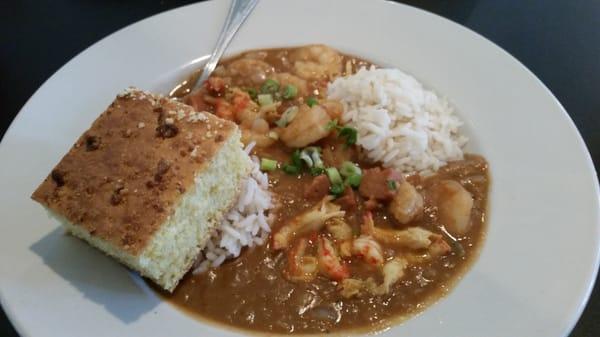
point(251, 292)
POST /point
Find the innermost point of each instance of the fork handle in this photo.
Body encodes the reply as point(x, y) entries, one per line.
point(238, 12)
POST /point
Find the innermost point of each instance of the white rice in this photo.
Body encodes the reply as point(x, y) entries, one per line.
point(246, 224)
point(399, 123)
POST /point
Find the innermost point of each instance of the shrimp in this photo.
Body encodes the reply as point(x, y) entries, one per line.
point(316, 62)
point(333, 108)
point(240, 108)
point(254, 70)
point(289, 79)
point(407, 204)
point(351, 287)
point(215, 85)
point(311, 220)
point(339, 229)
point(392, 271)
point(261, 139)
point(309, 125)
point(345, 248)
point(223, 109)
point(439, 247)
point(330, 263)
point(244, 108)
point(367, 248)
point(301, 268)
point(413, 237)
point(454, 206)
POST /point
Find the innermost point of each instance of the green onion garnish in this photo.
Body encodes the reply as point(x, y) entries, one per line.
point(332, 125)
point(265, 99)
point(312, 156)
point(267, 164)
point(346, 132)
point(334, 176)
point(391, 184)
point(315, 171)
point(287, 116)
point(353, 180)
point(291, 169)
point(296, 160)
point(289, 92)
point(312, 101)
point(350, 134)
point(349, 168)
point(337, 189)
point(306, 158)
point(269, 87)
point(252, 93)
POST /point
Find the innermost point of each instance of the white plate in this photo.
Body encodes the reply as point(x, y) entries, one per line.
point(537, 265)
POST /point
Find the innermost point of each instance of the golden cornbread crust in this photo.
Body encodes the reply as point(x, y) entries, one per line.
point(124, 176)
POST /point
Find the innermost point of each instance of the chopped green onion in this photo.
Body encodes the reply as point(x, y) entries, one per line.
point(289, 92)
point(252, 93)
point(332, 125)
point(296, 164)
point(312, 101)
point(349, 168)
point(296, 160)
point(391, 184)
point(312, 156)
point(265, 99)
point(291, 169)
point(353, 180)
point(287, 116)
point(350, 134)
point(334, 176)
point(337, 189)
point(316, 157)
point(306, 157)
point(267, 164)
point(269, 87)
point(315, 171)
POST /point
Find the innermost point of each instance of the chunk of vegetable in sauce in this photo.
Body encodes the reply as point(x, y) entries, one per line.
point(268, 164)
point(289, 92)
point(269, 87)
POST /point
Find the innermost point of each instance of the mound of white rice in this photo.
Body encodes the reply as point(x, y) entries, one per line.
point(246, 225)
point(399, 123)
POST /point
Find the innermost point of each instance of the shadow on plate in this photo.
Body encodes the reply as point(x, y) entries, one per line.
point(96, 276)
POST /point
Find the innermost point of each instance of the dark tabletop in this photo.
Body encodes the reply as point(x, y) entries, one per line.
point(559, 40)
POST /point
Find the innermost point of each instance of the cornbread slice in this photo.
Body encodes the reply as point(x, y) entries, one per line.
point(148, 183)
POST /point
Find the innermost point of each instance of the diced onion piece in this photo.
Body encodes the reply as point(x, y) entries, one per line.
point(288, 115)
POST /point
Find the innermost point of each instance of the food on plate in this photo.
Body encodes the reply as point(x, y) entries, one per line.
point(148, 183)
point(307, 191)
point(361, 209)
